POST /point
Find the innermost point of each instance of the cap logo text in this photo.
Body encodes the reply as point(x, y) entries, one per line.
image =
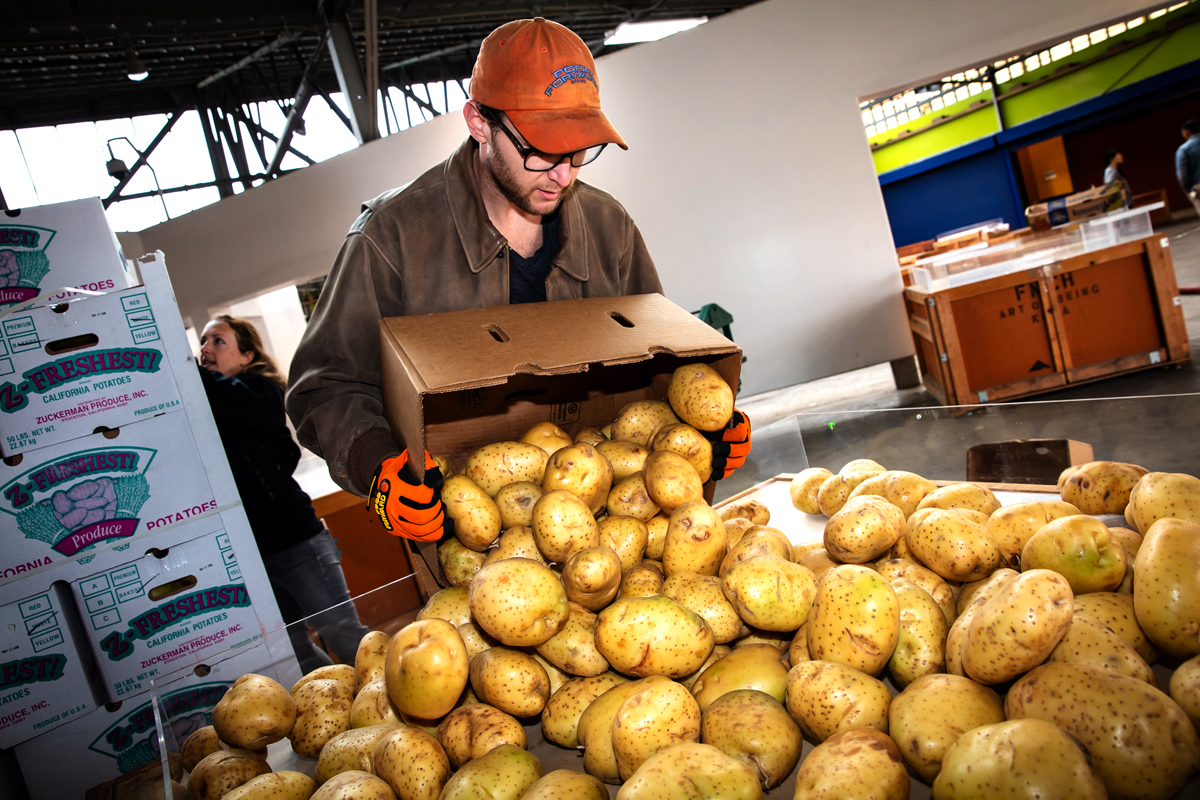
point(576, 73)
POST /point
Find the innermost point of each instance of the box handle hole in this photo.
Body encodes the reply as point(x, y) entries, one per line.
point(60, 308)
point(172, 588)
point(202, 670)
point(497, 333)
point(13, 461)
point(107, 432)
point(621, 319)
point(12, 212)
point(72, 343)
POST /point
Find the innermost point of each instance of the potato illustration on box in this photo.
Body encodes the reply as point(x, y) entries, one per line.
point(23, 262)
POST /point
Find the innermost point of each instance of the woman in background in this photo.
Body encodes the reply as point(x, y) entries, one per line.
point(245, 389)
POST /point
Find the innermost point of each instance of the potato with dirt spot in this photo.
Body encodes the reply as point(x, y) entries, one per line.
point(459, 563)
point(1117, 612)
point(560, 717)
point(1101, 487)
point(951, 545)
point(770, 593)
point(473, 731)
point(510, 680)
point(932, 712)
point(548, 437)
point(657, 716)
point(520, 602)
point(701, 397)
point(695, 540)
point(557, 676)
point(927, 579)
point(835, 491)
point(592, 436)
point(1166, 587)
point(1011, 526)
point(370, 658)
point(758, 541)
point(652, 636)
point(476, 639)
point(718, 652)
point(752, 510)
point(563, 524)
point(372, 706)
point(565, 784)
point(594, 730)
point(962, 496)
point(757, 667)
point(253, 713)
point(1142, 743)
point(817, 560)
point(754, 728)
point(702, 594)
point(804, 488)
point(284, 785)
point(827, 698)
point(580, 469)
point(625, 536)
point(413, 764)
point(978, 594)
point(798, 650)
point(629, 498)
point(686, 441)
point(921, 646)
point(1017, 629)
point(1089, 641)
point(476, 517)
point(639, 421)
point(352, 749)
point(516, 542)
point(1185, 689)
point(503, 774)
point(515, 503)
point(644, 580)
point(1022, 758)
point(672, 482)
point(855, 763)
point(692, 770)
point(426, 669)
point(573, 649)
point(626, 458)
point(864, 529)
point(219, 773)
point(905, 490)
point(656, 536)
point(855, 619)
point(355, 785)
point(322, 712)
point(199, 743)
point(592, 577)
point(496, 465)
point(1160, 495)
point(1080, 549)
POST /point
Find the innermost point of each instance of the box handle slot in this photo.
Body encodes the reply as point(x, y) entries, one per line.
point(107, 432)
point(72, 343)
point(202, 670)
point(621, 319)
point(14, 461)
point(497, 333)
point(172, 588)
point(12, 212)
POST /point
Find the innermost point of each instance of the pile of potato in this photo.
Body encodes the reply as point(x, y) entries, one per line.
point(688, 653)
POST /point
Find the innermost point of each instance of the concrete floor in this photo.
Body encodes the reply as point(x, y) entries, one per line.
point(1147, 418)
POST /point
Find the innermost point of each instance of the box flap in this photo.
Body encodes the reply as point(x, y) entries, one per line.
point(483, 346)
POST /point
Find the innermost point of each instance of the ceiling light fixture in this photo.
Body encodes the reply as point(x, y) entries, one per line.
point(135, 69)
point(634, 32)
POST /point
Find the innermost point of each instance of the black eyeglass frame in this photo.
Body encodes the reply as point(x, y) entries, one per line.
point(491, 115)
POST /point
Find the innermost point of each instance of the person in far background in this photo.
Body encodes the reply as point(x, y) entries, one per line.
point(1113, 172)
point(1187, 162)
point(245, 389)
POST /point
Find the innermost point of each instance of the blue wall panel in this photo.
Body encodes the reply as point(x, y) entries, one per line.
point(962, 193)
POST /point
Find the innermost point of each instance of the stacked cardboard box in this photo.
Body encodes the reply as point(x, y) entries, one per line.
point(1072, 208)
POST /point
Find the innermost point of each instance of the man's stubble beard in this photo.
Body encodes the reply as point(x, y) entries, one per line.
point(504, 179)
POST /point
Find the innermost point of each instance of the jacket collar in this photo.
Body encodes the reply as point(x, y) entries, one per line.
point(481, 242)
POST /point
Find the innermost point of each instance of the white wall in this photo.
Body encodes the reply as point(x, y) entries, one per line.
point(749, 173)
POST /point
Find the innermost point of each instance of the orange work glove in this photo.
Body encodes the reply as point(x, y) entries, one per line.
point(406, 506)
point(730, 445)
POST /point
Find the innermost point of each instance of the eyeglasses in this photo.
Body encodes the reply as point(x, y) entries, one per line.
point(536, 160)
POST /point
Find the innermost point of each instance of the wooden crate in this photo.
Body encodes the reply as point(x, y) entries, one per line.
point(1093, 316)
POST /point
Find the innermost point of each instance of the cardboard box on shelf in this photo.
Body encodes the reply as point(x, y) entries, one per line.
point(121, 737)
point(47, 251)
point(164, 611)
point(1089, 203)
point(69, 500)
point(95, 361)
point(46, 669)
point(1025, 461)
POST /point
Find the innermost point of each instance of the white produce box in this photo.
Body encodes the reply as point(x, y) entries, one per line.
point(46, 251)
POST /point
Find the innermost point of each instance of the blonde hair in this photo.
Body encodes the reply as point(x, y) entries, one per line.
point(248, 341)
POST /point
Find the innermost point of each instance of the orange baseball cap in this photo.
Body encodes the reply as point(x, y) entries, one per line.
point(543, 77)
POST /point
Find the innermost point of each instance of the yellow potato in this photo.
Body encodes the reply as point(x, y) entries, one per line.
point(496, 465)
point(503, 774)
point(519, 601)
point(759, 540)
point(449, 604)
point(804, 487)
point(718, 652)
point(579, 468)
point(563, 524)
point(515, 503)
point(701, 397)
point(1116, 611)
point(860, 464)
point(902, 489)
point(692, 770)
point(369, 660)
point(343, 673)
point(640, 420)
point(285, 785)
point(627, 537)
point(932, 712)
point(592, 577)
point(1166, 587)
point(827, 698)
point(516, 542)
point(476, 518)
point(592, 436)
point(961, 495)
point(701, 594)
point(199, 743)
point(671, 481)
point(565, 784)
point(426, 668)
point(835, 491)
point(355, 785)
point(219, 773)
point(459, 563)
point(695, 540)
point(1130, 541)
point(1142, 743)
point(1079, 549)
point(854, 620)
point(1101, 487)
point(643, 580)
point(756, 667)
point(352, 749)
point(1021, 758)
point(752, 510)
point(1010, 527)
point(757, 730)
point(817, 560)
point(770, 593)
point(560, 718)
point(686, 441)
point(511, 681)
point(798, 649)
point(924, 577)
point(547, 436)
point(863, 529)
point(253, 713)
point(629, 498)
point(1089, 641)
point(951, 545)
point(1017, 628)
point(1163, 494)
point(322, 712)
point(595, 728)
point(657, 716)
point(656, 538)
point(412, 763)
point(626, 458)
point(980, 592)
point(1185, 689)
point(372, 706)
point(652, 636)
point(921, 646)
point(854, 763)
point(470, 732)
point(557, 676)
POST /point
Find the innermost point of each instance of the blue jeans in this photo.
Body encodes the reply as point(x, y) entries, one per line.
point(308, 583)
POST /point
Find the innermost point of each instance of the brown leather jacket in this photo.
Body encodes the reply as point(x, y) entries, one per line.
point(421, 249)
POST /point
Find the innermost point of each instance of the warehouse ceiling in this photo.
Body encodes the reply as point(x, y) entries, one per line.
point(65, 61)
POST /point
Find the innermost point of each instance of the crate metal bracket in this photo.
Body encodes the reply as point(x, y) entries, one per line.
point(930, 301)
point(944, 357)
point(983, 397)
point(1155, 358)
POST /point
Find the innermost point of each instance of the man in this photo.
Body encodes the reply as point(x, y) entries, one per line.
point(1187, 162)
point(503, 220)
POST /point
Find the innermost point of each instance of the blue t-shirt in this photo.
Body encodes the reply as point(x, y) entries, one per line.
point(527, 276)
